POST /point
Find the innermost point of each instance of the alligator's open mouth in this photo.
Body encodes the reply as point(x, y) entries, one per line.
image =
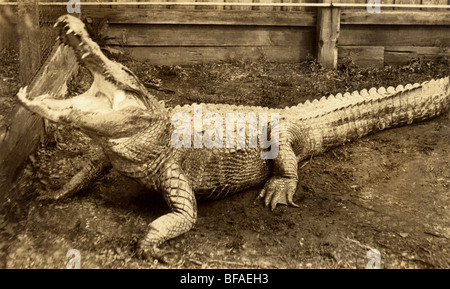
point(112, 81)
point(115, 105)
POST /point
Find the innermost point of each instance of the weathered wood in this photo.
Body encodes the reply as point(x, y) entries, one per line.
point(265, 8)
point(30, 58)
point(198, 55)
point(380, 35)
point(328, 23)
point(435, 2)
point(8, 36)
point(363, 56)
point(403, 54)
point(151, 16)
point(218, 7)
point(353, 1)
point(8, 31)
point(395, 18)
point(306, 9)
point(408, 2)
point(203, 35)
point(26, 128)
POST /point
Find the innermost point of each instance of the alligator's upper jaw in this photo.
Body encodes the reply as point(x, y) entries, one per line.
point(72, 32)
point(117, 78)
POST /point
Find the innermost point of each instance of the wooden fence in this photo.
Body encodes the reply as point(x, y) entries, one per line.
point(196, 36)
point(167, 32)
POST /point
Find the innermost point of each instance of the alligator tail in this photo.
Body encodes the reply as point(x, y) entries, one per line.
point(341, 118)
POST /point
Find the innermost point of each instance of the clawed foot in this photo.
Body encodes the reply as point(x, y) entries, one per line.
point(279, 190)
point(155, 255)
point(22, 95)
point(50, 196)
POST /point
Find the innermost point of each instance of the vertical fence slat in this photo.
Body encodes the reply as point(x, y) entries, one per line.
point(28, 28)
point(328, 25)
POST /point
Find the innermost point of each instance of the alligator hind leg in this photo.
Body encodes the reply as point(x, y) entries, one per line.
point(93, 170)
point(281, 187)
point(180, 198)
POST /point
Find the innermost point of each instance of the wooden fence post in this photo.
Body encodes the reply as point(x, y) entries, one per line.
point(328, 25)
point(29, 47)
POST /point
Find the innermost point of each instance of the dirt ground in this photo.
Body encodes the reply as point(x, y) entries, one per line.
point(389, 191)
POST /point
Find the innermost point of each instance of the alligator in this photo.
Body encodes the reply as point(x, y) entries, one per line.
point(158, 146)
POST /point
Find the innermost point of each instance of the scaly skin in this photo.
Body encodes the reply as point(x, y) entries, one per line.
point(135, 132)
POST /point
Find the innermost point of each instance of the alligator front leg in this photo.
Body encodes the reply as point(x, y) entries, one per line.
point(281, 187)
point(180, 198)
point(93, 170)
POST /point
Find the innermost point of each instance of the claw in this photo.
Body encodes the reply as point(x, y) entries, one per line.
point(279, 191)
point(22, 94)
point(156, 255)
point(50, 196)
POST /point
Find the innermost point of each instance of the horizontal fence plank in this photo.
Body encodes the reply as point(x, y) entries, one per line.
point(403, 54)
point(204, 35)
point(434, 2)
point(197, 55)
point(275, 4)
point(395, 18)
point(380, 35)
point(363, 56)
point(227, 17)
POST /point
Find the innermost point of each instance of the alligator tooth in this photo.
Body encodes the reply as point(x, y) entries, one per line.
point(85, 55)
point(81, 43)
point(56, 24)
point(69, 31)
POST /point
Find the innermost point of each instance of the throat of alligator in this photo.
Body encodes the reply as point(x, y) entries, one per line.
point(141, 155)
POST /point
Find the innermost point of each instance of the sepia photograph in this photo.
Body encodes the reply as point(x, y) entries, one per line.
point(224, 134)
